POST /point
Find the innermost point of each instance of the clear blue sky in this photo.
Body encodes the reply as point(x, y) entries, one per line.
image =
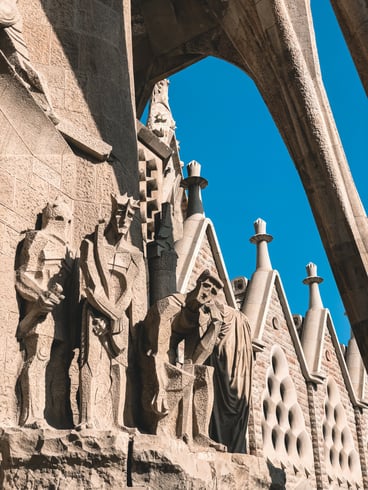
point(223, 123)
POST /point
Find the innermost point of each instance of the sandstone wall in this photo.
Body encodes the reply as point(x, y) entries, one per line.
point(82, 52)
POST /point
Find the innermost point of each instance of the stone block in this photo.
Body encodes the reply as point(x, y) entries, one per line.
point(10, 241)
point(19, 166)
point(86, 180)
point(16, 221)
point(86, 215)
point(46, 459)
point(106, 183)
point(46, 172)
point(7, 189)
point(68, 175)
point(94, 147)
point(29, 202)
point(163, 463)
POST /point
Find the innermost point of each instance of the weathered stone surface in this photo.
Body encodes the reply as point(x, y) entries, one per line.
point(162, 463)
point(47, 459)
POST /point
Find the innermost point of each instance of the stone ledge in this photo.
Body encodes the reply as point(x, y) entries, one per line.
point(96, 460)
point(41, 459)
point(160, 462)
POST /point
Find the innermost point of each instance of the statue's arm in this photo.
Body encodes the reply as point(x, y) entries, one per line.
point(93, 289)
point(40, 301)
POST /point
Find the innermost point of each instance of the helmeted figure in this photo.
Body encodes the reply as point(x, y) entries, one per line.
point(111, 268)
point(43, 280)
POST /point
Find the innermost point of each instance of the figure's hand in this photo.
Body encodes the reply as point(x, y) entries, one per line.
point(159, 403)
point(214, 313)
point(99, 326)
point(51, 298)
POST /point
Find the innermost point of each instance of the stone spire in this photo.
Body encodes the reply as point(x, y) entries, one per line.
point(160, 120)
point(315, 320)
point(259, 289)
point(194, 183)
point(261, 239)
point(313, 281)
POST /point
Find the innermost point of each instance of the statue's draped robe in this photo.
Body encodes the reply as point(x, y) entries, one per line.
point(232, 360)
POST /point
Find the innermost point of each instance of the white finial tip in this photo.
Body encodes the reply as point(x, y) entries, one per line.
point(311, 269)
point(194, 169)
point(260, 226)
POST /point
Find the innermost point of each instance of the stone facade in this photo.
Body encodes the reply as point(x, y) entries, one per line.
point(82, 364)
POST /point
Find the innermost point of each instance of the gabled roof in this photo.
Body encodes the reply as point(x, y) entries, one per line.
point(196, 229)
point(256, 307)
point(317, 323)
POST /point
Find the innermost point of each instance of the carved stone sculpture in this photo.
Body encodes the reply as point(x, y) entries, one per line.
point(232, 362)
point(160, 119)
point(177, 398)
point(111, 267)
point(43, 280)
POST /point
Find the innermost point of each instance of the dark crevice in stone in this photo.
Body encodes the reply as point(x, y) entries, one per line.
point(129, 463)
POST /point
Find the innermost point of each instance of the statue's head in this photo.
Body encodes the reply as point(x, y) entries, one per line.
point(122, 213)
point(57, 213)
point(207, 287)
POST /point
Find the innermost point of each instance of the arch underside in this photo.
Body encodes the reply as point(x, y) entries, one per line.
point(273, 42)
